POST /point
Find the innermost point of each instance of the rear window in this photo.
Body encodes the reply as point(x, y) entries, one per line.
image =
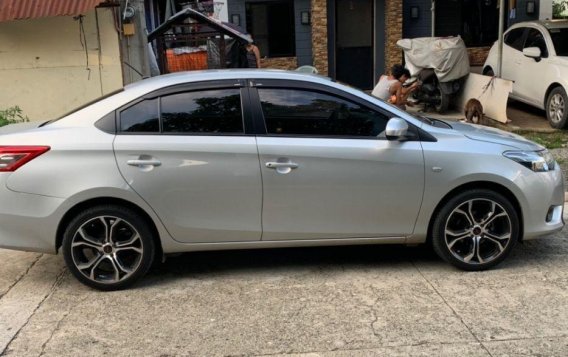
point(208, 111)
point(142, 117)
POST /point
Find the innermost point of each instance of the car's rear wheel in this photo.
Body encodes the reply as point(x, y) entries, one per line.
point(108, 247)
point(557, 108)
point(475, 230)
point(443, 102)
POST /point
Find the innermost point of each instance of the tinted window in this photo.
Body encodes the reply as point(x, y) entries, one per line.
point(536, 39)
point(300, 112)
point(142, 117)
point(212, 111)
point(560, 39)
point(514, 38)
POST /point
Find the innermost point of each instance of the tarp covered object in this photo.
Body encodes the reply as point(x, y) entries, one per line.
point(446, 55)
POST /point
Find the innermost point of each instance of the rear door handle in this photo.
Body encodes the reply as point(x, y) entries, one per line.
point(278, 165)
point(141, 163)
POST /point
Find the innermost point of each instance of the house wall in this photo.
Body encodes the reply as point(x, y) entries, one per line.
point(319, 36)
point(521, 13)
point(43, 66)
point(393, 29)
point(302, 33)
point(422, 26)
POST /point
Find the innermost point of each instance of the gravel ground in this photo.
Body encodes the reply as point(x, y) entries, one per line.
point(561, 155)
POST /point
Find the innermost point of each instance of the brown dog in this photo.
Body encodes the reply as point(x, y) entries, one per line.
point(474, 111)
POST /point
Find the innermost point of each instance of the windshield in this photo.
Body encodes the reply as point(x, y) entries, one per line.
point(560, 40)
point(84, 106)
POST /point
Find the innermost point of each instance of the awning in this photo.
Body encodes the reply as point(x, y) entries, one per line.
point(179, 17)
point(32, 9)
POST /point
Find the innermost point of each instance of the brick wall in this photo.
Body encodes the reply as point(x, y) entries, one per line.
point(319, 36)
point(393, 32)
point(289, 63)
point(477, 55)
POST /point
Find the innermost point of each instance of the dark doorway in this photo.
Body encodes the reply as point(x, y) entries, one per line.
point(354, 42)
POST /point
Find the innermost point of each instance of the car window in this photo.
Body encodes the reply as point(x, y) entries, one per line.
point(536, 39)
point(514, 38)
point(209, 111)
point(304, 112)
point(142, 117)
point(560, 40)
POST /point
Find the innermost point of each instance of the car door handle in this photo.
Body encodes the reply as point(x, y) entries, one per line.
point(278, 165)
point(140, 163)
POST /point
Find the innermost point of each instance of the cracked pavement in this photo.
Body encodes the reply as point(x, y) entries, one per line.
point(337, 301)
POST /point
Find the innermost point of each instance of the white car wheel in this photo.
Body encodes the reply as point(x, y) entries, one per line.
point(557, 108)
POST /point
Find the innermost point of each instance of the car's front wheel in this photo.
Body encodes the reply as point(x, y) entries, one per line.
point(475, 230)
point(108, 247)
point(557, 108)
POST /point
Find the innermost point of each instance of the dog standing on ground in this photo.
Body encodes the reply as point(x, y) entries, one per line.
point(474, 112)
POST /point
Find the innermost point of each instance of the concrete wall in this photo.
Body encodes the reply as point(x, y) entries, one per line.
point(43, 66)
point(545, 10)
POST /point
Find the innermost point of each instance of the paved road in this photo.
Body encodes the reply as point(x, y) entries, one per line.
point(353, 301)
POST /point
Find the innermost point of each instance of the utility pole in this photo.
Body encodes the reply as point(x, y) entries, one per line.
point(500, 38)
point(133, 41)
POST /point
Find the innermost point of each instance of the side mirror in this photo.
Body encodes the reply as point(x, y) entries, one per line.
point(532, 52)
point(396, 129)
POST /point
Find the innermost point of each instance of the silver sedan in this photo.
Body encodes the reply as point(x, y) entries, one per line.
point(263, 159)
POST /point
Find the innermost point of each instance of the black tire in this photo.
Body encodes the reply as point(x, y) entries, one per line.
point(108, 247)
point(455, 240)
point(489, 72)
point(557, 108)
point(444, 104)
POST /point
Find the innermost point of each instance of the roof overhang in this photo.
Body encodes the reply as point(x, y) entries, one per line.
point(217, 25)
point(33, 9)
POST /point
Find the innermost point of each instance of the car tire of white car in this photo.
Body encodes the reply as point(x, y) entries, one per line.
point(557, 108)
point(108, 247)
point(475, 230)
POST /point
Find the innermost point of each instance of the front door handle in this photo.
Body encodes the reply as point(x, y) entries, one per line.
point(278, 165)
point(141, 163)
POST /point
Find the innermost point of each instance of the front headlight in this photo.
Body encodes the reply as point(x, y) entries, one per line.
point(538, 161)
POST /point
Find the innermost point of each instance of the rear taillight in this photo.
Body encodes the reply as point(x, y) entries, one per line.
point(13, 157)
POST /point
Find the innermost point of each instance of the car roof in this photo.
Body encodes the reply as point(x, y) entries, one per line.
point(549, 24)
point(170, 79)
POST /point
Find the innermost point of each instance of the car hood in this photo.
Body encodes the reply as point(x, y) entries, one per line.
point(496, 136)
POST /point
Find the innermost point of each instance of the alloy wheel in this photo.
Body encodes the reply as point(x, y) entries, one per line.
point(107, 249)
point(556, 108)
point(478, 231)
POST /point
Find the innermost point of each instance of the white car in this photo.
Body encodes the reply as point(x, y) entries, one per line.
point(535, 57)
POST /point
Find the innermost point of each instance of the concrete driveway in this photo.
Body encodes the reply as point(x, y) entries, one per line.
point(379, 300)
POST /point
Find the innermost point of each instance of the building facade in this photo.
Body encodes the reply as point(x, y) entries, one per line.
point(354, 41)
